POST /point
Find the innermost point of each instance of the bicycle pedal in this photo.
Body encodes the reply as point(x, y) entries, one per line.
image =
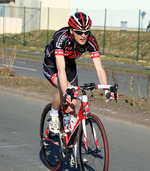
point(72, 162)
point(44, 143)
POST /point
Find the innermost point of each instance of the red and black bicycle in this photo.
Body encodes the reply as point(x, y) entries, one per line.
point(89, 133)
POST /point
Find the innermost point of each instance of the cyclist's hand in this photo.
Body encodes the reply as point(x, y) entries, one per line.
point(67, 99)
point(110, 95)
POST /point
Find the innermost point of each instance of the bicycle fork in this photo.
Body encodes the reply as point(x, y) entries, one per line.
point(85, 134)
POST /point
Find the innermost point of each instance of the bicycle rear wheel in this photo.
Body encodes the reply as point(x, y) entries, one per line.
point(96, 157)
point(49, 142)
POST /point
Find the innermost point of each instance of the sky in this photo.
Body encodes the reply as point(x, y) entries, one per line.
point(112, 4)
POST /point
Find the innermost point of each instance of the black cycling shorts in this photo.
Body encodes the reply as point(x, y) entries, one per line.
point(50, 72)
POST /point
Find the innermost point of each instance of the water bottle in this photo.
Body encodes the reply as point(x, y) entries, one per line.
point(66, 122)
point(73, 121)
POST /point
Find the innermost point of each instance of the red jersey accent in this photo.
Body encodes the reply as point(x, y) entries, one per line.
point(92, 39)
point(95, 55)
point(59, 52)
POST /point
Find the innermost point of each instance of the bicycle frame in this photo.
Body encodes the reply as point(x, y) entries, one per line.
point(83, 111)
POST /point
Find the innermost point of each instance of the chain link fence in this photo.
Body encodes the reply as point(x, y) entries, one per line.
point(18, 20)
point(120, 33)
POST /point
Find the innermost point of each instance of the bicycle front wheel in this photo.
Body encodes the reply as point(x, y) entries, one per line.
point(94, 155)
point(49, 142)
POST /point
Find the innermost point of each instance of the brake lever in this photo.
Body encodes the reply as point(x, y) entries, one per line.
point(71, 93)
point(115, 91)
point(92, 95)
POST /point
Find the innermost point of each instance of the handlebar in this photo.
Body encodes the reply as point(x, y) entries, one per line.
point(92, 86)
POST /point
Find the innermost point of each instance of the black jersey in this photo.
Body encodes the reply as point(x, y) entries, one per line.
point(62, 44)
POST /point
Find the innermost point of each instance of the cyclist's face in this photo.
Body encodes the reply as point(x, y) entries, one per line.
point(80, 37)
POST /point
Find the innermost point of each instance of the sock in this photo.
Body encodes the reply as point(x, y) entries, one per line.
point(54, 112)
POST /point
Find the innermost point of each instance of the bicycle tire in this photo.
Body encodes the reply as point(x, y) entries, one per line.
point(50, 151)
point(93, 159)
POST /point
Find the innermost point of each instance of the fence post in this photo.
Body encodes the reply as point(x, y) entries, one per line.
point(24, 41)
point(48, 27)
point(104, 31)
point(132, 91)
point(3, 24)
point(40, 16)
point(138, 36)
point(148, 88)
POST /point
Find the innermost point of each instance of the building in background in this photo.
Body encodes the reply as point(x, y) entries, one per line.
point(18, 16)
point(59, 12)
point(26, 15)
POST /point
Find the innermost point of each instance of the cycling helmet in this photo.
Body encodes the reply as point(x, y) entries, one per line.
point(80, 21)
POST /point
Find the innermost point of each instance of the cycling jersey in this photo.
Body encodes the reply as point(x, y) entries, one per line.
point(63, 44)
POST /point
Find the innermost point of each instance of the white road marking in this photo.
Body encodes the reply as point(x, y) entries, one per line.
point(15, 146)
point(21, 62)
point(29, 69)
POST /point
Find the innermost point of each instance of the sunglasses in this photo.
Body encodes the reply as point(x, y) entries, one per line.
point(81, 32)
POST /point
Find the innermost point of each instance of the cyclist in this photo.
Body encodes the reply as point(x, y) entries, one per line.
point(59, 66)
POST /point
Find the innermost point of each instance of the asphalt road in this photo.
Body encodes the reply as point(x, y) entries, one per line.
point(20, 141)
point(34, 69)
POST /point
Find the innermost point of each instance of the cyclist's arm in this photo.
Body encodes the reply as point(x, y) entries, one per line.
point(60, 63)
point(101, 74)
point(100, 71)
point(94, 52)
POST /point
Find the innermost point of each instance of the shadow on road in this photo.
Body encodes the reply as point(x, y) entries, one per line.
point(65, 165)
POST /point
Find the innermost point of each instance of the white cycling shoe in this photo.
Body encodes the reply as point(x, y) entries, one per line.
point(54, 124)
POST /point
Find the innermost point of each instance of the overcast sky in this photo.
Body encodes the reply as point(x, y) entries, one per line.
point(112, 4)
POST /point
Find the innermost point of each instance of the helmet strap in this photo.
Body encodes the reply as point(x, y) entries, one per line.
point(73, 38)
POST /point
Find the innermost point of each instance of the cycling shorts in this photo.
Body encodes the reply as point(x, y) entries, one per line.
point(50, 72)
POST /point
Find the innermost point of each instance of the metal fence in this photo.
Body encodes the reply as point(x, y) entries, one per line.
point(17, 20)
point(124, 33)
point(120, 33)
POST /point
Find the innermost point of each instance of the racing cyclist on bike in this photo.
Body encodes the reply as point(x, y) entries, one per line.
point(59, 66)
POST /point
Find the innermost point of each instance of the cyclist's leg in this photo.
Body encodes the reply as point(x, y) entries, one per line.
point(72, 77)
point(50, 72)
point(96, 156)
point(58, 99)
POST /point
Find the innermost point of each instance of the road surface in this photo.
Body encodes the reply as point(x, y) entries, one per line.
point(20, 141)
